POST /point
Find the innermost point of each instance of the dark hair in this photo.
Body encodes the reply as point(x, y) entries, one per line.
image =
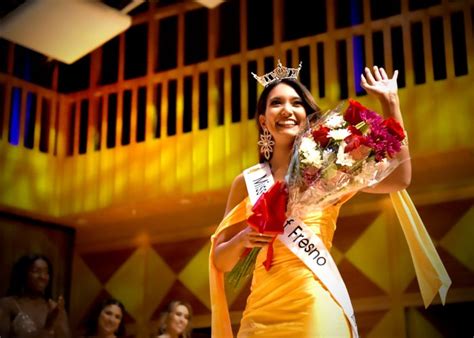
point(309, 104)
point(19, 276)
point(92, 320)
point(165, 315)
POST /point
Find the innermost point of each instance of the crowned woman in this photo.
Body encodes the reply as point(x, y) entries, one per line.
point(290, 298)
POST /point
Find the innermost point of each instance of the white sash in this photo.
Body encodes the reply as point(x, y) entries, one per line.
point(305, 244)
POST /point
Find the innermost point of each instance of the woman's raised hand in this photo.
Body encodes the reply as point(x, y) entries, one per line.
point(54, 310)
point(253, 239)
point(377, 82)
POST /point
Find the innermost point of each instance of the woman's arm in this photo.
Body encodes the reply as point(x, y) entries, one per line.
point(62, 328)
point(61, 324)
point(57, 324)
point(385, 89)
point(232, 242)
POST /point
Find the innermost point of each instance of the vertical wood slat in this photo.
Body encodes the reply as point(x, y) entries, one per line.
point(211, 93)
point(164, 109)
point(6, 111)
point(77, 120)
point(63, 116)
point(366, 13)
point(427, 49)
point(227, 120)
point(105, 125)
point(121, 75)
point(180, 80)
point(133, 116)
point(369, 48)
point(150, 112)
point(92, 123)
point(151, 59)
point(448, 43)
point(350, 66)
point(387, 46)
point(119, 119)
point(94, 80)
point(199, 164)
point(330, 58)
point(407, 43)
point(21, 134)
point(180, 55)
point(195, 159)
point(37, 124)
point(469, 36)
point(195, 103)
point(53, 115)
point(8, 93)
point(277, 27)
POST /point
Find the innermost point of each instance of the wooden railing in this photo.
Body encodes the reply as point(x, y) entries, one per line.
point(81, 159)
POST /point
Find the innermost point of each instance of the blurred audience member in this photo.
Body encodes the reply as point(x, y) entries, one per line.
point(175, 322)
point(28, 309)
point(106, 321)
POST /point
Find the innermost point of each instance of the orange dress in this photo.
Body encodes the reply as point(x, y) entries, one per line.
point(288, 300)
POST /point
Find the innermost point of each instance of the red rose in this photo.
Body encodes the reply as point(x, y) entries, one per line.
point(353, 142)
point(394, 128)
point(354, 130)
point(352, 113)
point(320, 136)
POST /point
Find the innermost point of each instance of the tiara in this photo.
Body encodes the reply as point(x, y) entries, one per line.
point(279, 73)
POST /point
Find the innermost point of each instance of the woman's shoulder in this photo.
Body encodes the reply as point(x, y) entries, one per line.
point(238, 192)
point(239, 183)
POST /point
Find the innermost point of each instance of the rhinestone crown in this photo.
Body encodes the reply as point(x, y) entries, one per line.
point(279, 73)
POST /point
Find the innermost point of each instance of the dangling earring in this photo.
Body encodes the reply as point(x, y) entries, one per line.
point(266, 144)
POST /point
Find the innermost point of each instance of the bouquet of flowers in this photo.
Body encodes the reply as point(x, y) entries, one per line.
point(335, 154)
point(341, 153)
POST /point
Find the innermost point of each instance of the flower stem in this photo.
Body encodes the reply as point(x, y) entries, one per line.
point(242, 269)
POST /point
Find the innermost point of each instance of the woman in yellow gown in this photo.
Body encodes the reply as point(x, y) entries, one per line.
point(288, 300)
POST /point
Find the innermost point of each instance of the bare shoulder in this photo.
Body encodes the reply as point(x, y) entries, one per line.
point(238, 191)
point(239, 184)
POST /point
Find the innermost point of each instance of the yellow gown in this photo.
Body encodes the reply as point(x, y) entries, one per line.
point(288, 300)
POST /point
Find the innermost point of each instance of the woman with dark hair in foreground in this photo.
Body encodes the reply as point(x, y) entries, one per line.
point(106, 321)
